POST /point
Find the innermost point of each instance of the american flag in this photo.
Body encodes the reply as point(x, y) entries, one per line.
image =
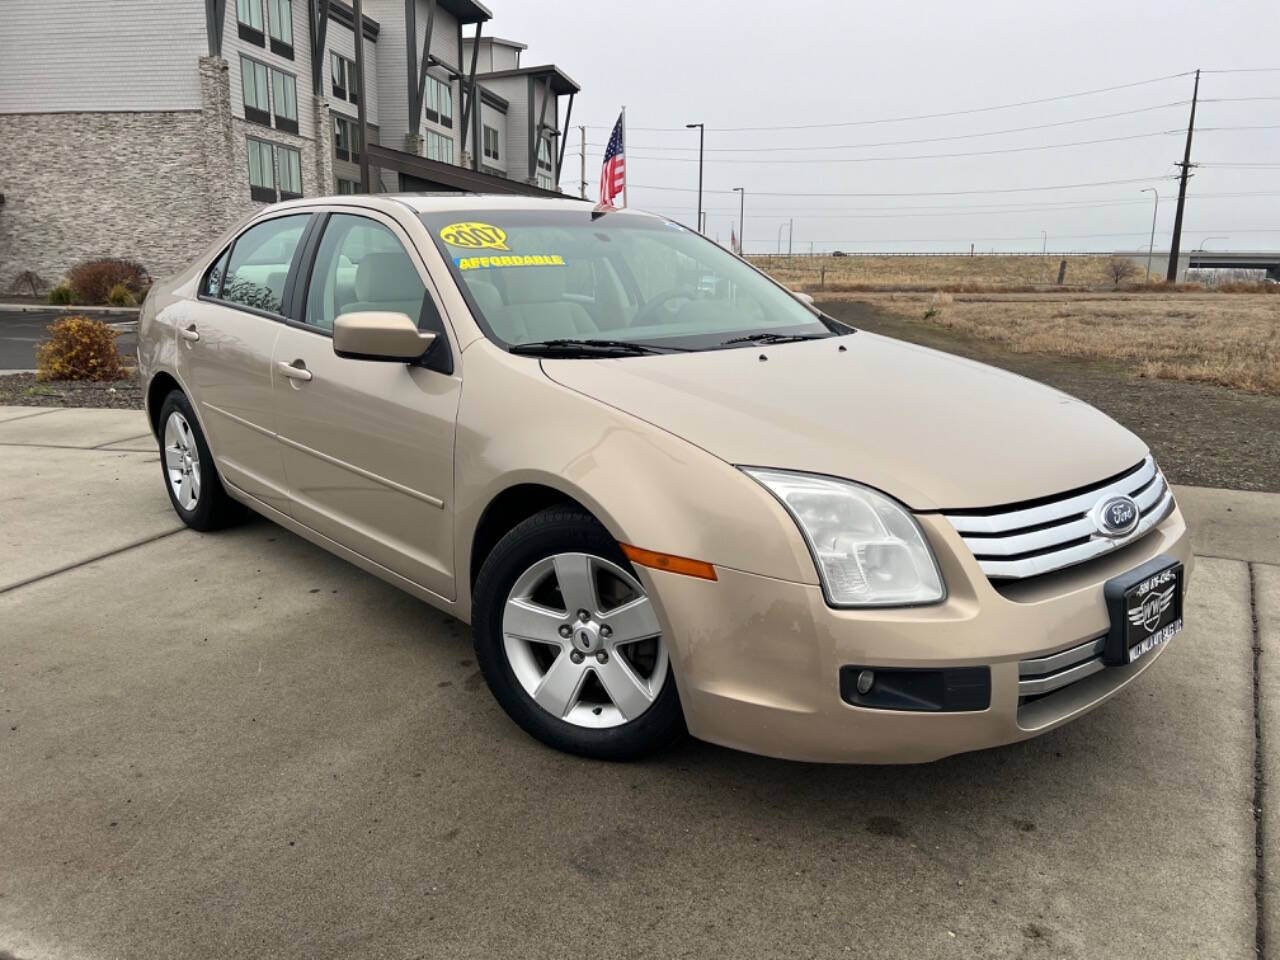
point(613, 176)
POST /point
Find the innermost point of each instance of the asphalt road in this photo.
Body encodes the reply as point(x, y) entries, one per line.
point(236, 745)
point(21, 331)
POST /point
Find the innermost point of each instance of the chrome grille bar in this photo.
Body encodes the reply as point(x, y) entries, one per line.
point(1046, 674)
point(1029, 541)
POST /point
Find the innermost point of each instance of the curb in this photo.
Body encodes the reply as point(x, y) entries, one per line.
point(50, 308)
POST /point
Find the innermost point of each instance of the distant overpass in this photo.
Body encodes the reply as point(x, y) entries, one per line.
point(1268, 260)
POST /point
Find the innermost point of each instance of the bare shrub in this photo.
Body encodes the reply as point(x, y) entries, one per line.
point(92, 280)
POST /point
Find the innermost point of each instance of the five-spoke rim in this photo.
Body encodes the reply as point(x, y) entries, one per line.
point(181, 461)
point(583, 640)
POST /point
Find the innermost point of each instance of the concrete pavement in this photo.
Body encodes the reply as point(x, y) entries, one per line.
point(237, 745)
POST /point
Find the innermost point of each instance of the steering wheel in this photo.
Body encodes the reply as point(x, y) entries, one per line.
point(665, 301)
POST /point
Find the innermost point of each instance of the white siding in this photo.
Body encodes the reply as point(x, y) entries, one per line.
point(515, 90)
point(393, 67)
point(106, 55)
point(299, 66)
point(338, 39)
point(494, 55)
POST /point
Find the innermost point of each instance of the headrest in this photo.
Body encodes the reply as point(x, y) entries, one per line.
point(486, 296)
point(387, 276)
point(534, 284)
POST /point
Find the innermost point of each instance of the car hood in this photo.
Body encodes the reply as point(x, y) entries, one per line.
point(934, 430)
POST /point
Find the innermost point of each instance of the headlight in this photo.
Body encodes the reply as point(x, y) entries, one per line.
point(868, 549)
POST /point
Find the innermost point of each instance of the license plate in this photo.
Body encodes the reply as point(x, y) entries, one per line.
point(1145, 606)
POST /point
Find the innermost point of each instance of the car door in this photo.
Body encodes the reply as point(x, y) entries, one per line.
point(368, 445)
point(226, 350)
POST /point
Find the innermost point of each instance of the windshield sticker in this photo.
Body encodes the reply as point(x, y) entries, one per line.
point(533, 260)
point(474, 236)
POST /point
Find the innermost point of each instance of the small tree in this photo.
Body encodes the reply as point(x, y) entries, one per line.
point(1122, 269)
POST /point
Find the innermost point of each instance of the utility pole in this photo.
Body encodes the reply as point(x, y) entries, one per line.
point(1171, 275)
point(701, 132)
point(582, 188)
point(362, 120)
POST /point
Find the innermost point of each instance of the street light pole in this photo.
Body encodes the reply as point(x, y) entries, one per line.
point(1207, 239)
point(1044, 247)
point(742, 203)
point(701, 132)
point(1152, 245)
point(780, 226)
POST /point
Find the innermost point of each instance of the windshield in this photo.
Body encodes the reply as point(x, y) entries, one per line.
point(614, 280)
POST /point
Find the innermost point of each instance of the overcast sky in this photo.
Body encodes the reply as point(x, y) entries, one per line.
point(750, 64)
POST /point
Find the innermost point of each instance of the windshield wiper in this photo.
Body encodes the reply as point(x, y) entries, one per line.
point(775, 338)
point(570, 347)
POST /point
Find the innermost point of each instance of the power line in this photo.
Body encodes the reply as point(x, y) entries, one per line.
point(899, 143)
point(953, 137)
point(933, 116)
point(1037, 237)
point(932, 156)
point(922, 193)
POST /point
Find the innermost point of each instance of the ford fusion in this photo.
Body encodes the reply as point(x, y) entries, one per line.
point(667, 493)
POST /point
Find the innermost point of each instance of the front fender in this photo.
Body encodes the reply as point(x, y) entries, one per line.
point(648, 487)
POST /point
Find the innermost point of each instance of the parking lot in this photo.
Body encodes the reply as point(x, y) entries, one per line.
point(239, 745)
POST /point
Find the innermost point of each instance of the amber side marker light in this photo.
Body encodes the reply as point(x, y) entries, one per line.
point(665, 561)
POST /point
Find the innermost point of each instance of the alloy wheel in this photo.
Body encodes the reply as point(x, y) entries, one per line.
point(584, 641)
point(182, 461)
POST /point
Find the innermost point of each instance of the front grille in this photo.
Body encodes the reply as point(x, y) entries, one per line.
point(1013, 543)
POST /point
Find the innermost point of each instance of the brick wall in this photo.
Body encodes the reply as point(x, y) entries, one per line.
point(155, 187)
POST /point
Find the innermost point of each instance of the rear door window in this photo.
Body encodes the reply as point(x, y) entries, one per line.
point(259, 264)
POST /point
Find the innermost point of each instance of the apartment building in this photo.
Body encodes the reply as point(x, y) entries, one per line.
point(150, 125)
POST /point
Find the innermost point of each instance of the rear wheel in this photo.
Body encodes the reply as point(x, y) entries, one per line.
point(570, 643)
point(190, 477)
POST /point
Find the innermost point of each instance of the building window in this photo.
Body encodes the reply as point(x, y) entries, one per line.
point(347, 187)
point(344, 77)
point(280, 26)
point(439, 147)
point(439, 102)
point(284, 91)
point(491, 142)
point(544, 155)
point(346, 139)
point(262, 175)
point(290, 161)
point(249, 21)
point(253, 79)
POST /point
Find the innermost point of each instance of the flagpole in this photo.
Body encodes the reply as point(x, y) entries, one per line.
point(625, 176)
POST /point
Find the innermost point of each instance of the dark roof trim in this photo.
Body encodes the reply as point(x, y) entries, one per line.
point(561, 82)
point(467, 11)
point(342, 13)
point(460, 178)
point(493, 100)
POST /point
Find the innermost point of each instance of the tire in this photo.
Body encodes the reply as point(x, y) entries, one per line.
point(530, 589)
point(202, 503)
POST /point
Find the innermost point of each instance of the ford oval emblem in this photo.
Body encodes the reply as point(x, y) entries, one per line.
point(1116, 516)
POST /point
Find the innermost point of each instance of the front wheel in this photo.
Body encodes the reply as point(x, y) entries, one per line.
point(570, 643)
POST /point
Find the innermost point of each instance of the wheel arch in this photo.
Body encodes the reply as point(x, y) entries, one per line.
point(161, 385)
point(507, 509)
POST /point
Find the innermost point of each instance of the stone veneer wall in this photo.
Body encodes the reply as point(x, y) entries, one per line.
point(153, 187)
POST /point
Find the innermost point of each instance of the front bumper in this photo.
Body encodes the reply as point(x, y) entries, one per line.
point(758, 659)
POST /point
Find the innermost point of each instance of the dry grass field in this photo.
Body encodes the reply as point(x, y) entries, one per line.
point(1232, 340)
point(836, 274)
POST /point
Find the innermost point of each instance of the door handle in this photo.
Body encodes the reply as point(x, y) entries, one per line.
point(189, 333)
point(294, 371)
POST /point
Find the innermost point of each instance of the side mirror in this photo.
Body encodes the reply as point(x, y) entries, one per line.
point(803, 297)
point(375, 335)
